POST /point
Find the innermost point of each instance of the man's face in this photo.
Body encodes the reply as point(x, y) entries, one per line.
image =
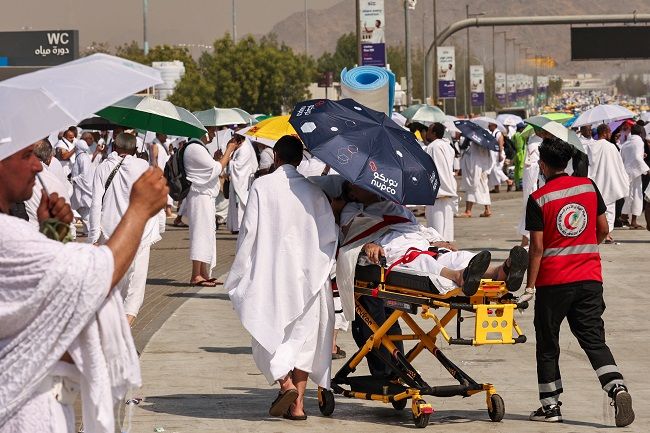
point(492, 127)
point(69, 135)
point(18, 175)
point(89, 139)
point(430, 136)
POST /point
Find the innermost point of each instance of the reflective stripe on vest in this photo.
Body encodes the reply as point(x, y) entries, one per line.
point(578, 249)
point(564, 193)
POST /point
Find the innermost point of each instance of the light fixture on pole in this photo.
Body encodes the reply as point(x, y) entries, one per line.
point(234, 22)
point(145, 13)
point(505, 52)
point(494, 67)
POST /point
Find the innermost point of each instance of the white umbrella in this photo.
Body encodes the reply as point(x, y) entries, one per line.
point(35, 104)
point(223, 116)
point(484, 121)
point(509, 119)
point(251, 120)
point(601, 114)
point(398, 118)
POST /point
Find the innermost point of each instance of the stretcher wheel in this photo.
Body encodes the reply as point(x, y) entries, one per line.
point(399, 404)
point(498, 408)
point(326, 402)
point(422, 420)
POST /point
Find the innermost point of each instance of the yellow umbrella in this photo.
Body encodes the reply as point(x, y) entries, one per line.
point(268, 131)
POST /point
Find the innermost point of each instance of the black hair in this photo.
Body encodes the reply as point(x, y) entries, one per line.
point(289, 149)
point(637, 130)
point(555, 153)
point(417, 126)
point(439, 129)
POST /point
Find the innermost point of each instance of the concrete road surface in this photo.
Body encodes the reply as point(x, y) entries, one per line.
point(199, 374)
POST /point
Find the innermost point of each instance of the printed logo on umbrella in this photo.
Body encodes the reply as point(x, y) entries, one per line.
point(572, 220)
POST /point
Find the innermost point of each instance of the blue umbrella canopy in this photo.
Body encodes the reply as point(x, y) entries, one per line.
point(477, 134)
point(367, 148)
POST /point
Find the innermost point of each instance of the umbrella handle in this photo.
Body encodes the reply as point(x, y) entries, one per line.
point(40, 180)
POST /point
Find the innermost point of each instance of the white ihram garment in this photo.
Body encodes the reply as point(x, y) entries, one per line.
point(632, 155)
point(279, 280)
point(530, 177)
point(66, 146)
point(54, 298)
point(161, 161)
point(440, 216)
point(107, 210)
point(241, 169)
point(53, 184)
point(203, 171)
point(83, 171)
point(607, 170)
point(497, 176)
point(476, 164)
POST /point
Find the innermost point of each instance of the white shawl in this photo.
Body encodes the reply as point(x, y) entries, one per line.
point(109, 204)
point(242, 166)
point(632, 154)
point(53, 299)
point(443, 155)
point(607, 171)
point(83, 171)
point(201, 169)
point(285, 251)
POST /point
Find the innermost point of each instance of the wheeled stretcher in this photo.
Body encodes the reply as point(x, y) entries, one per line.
point(409, 292)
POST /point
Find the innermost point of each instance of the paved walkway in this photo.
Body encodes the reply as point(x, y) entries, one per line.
point(199, 374)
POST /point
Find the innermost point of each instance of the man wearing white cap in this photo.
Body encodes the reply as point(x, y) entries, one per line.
point(62, 327)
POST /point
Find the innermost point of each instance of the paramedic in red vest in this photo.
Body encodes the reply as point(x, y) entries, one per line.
point(566, 220)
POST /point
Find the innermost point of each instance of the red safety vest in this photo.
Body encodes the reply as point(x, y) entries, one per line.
point(569, 209)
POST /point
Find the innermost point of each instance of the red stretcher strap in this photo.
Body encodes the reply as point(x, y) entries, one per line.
point(388, 220)
point(411, 254)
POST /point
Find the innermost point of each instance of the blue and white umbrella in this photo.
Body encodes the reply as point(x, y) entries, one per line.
point(474, 132)
point(367, 148)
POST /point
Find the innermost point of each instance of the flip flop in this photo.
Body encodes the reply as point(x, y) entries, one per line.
point(179, 224)
point(203, 283)
point(282, 402)
point(214, 280)
point(462, 215)
point(517, 268)
point(287, 415)
point(474, 272)
point(485, 215)
point(636, 227)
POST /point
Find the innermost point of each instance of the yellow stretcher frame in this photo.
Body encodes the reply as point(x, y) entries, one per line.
point(494, 324)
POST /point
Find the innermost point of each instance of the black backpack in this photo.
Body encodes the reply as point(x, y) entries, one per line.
point(509, 147)
point(175, 174)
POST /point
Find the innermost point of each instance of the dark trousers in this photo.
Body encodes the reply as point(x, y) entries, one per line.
point(361, 332)
point(583, 305)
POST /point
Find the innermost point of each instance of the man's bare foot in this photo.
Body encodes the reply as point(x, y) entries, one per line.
point(463, 215)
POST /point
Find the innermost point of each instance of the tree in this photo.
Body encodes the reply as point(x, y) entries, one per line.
point(344, 56)
point(97, 47)
point(259, 76)
point(131, 51)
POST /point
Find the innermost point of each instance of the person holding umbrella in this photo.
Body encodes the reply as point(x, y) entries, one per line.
point(566, 220)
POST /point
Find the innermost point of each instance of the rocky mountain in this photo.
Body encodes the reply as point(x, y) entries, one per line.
point(325, 27)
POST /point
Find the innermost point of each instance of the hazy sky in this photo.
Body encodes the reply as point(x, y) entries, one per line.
point(170, 21)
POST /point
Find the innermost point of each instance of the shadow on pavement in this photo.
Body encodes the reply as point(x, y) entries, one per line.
point(165, 282)
point(229, 350)
point(251, 404)
point(219, 296)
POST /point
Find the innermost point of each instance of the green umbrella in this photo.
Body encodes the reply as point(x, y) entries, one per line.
point(150, 114)
point(557, 130)
point(424, 113)
point(558, 117)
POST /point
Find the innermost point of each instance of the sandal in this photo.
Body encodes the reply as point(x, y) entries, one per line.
point(516, 269)
point(339, 354)
point(179, 224)
point(474, 272)
point(485, 215)
point(203, 283)
point(636, 227)
point(463, 215)
point(283, 402)
point(287, 415)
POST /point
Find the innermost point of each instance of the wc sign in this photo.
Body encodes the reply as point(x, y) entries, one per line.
point(39, 48)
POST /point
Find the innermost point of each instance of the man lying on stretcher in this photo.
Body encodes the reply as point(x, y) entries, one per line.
point(382, 228)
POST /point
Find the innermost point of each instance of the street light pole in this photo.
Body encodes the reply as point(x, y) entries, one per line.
point(306, 31)
point(409, 76)
point(234, 22)
point(505, 53)
point(494, 67)
point(468, 106)
point(145, 13)
point(434, 94)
